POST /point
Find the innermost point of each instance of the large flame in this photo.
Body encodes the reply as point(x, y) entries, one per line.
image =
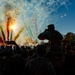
point(10, 18)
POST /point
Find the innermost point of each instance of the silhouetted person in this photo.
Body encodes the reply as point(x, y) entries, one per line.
point(40, 65)
point(69, 64)
point(14, 65)
point(54, 36)
point(55, 54)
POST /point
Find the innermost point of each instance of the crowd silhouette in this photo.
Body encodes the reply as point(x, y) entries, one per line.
point(52, 58)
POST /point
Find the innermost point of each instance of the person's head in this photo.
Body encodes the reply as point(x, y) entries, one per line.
point(41, 50)
point(51, 27)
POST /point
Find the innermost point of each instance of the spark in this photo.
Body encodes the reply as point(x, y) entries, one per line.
point(18, 34)
point(65, 14)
